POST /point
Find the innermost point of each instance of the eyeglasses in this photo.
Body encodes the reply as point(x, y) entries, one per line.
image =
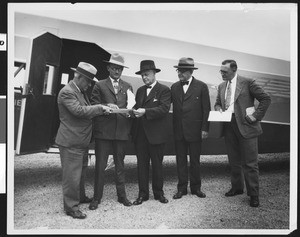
point(223, 72)
point(120, 69)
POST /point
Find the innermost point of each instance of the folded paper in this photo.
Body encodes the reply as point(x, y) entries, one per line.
point(216, 116)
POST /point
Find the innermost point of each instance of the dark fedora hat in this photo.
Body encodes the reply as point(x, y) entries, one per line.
point(186, 63)
point(147, 65)
point(87, 70)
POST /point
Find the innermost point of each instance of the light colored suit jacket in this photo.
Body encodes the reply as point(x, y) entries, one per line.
point(191, 110)
point(246, 91)
point(75, 113)
point(113, 126)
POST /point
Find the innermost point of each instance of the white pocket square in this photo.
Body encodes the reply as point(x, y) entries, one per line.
point(154, 99)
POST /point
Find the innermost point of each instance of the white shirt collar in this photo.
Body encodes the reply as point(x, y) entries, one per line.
point(113, 80)
point(152, 85)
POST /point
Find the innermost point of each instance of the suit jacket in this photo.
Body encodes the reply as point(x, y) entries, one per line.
point(246, 91)
point(191, 110)
point(113, 126)
point(154, 122)
point(75, 113)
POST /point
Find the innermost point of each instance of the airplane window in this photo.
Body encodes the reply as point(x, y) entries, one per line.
point(48, 80)
point(64, 78)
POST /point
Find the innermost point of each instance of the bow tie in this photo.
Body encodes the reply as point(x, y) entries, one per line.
point(148, 87)
point(184, 83)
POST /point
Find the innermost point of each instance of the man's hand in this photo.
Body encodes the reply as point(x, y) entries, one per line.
point(250, 118)
point(204, 134)
point(113, 106)
point(106, 110)
point(139, 112)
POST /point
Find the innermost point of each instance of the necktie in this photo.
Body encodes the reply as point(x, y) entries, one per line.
point(228, 96)
point(184, 83)
point(116, 86)
point(148, 89)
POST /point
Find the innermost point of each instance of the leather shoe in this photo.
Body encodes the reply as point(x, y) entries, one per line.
point(254, 201)
point(140, 200)
point(232, 193)
point(124, 201)
point(86, 200)
point(94, 204)
point(179, 194)
point(199, 193)
point(76, 214)
point(161, 198)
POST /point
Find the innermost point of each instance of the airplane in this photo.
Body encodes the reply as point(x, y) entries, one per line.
point(45, 49)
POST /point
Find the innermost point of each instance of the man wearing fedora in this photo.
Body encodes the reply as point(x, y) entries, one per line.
point(74, 136)
point(191, 106)
point(149, 131)
point(111, 132)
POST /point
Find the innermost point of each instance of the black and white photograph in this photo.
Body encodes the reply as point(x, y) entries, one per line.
point(152, 118)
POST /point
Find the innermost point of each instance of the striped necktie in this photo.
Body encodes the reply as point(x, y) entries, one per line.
point(116, 86)
point(228, 96)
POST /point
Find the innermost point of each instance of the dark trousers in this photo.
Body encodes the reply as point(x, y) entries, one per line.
point(103, 149)
point(182, 147)
point(242, 156)
point(146, 152)
point(74, 163)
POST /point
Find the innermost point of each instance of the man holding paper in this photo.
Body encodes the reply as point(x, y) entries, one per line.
point(149, 131)
point(112, 131)
point(236, 95)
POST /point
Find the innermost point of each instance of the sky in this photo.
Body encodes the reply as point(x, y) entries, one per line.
point(260, 29)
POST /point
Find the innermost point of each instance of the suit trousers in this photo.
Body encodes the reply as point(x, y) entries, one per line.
point(243, 161)
point(74, 163)
point(103, 149)
point(182, 147)
point(146, 152)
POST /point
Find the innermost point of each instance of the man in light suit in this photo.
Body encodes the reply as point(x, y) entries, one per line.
point(191, 106)
point(113, 131)
point(149, 131)
point(236, 95)
point(74, 136)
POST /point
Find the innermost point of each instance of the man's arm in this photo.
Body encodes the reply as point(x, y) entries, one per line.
point(264, 100)
point(69, 100)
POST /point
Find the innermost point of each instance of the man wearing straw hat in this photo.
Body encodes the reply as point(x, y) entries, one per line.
point(74, 136)
point(111, 132)
point(149, 131)
point(191, 106)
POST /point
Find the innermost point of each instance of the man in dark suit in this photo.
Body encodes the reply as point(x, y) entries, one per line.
point(149, 131)
point(74, 136)
point(191, 106)
point(236, 95)
point(112, 131)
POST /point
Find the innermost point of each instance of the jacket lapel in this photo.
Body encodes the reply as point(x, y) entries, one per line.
point(109, 85)
point(238, 89)
point(190, 90)
point(152, 93)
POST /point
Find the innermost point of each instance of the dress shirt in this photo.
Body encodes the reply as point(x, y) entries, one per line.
point(115, 84)
point(186, 87)
point(233, 86)
point(149, 89)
